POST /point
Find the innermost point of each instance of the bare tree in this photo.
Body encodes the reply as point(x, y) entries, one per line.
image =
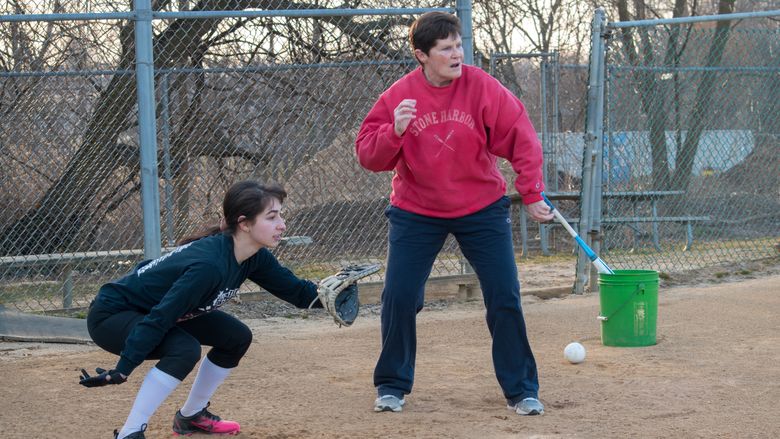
point(698, 117)
point(763, 159)
point(530, 25)
point(71, 206)
point(638, 45)
point(534, 26)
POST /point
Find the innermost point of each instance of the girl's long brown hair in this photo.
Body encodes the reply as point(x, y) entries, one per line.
point(246, 198)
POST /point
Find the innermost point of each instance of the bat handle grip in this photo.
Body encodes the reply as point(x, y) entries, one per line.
point(547, 200)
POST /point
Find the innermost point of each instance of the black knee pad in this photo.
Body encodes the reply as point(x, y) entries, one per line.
point(179, 362)
point(229, 353)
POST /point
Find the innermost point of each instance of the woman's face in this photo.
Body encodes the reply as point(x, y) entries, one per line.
point(443, 62)
point(268, 226)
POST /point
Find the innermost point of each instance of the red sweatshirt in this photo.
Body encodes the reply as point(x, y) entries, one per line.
point(445, 162)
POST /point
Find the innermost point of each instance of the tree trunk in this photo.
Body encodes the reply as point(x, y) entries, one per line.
point(701, 108)
point(653, 92)
point(759, 172)
point(653, 103)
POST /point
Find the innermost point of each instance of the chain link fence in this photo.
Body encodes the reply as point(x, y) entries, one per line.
point(275, 91)
point(686, 173)
point(274, 95)
point(554, 95)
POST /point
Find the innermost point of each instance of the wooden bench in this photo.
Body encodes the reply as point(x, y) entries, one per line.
point(469, 290)
point(635, 198)
point(686, 220)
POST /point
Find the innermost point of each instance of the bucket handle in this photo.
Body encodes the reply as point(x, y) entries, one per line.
point(639, 287)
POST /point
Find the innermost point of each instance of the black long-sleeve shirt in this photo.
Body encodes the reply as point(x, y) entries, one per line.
point(191, 280)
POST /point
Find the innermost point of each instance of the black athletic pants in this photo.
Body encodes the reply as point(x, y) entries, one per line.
point(180, 349)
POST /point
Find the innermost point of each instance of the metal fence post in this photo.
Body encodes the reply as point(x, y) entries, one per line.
point(67, 288)
point(593, 141)
point(165, 134)
point(464, 13)
point(147, 128)
point(555, 129)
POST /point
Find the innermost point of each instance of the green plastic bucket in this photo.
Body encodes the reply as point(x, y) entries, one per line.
point(629, 307)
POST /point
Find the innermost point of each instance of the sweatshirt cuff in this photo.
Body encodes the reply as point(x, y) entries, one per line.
point(125, 366)
point(532, 198)
point(313, 300)
point(391, 136)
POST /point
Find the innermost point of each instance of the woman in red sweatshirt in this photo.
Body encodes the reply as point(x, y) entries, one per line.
point(441, 129)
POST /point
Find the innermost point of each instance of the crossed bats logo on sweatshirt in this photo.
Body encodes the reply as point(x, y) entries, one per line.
point(444, 142)
point(441, 117)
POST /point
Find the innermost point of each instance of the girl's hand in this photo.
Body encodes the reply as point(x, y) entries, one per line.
point(104, 377)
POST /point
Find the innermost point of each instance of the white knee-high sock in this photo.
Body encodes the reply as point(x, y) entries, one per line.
point(209, 377)
point(154, 390)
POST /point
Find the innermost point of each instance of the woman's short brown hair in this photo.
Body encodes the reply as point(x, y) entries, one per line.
point(430, 27)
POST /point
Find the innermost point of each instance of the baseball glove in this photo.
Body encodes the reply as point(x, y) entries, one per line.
point(339, 293)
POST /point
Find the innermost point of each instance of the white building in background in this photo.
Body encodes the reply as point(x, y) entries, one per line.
point(627, 154)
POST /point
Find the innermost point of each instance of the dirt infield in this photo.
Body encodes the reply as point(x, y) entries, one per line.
point(715, 372)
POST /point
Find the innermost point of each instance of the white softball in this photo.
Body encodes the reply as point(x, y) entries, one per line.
point(574, 352)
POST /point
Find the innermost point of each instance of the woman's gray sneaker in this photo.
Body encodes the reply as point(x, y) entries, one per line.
point(528, 406)
point(388, 403)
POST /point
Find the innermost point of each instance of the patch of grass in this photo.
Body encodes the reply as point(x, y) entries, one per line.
point(744, 272)
point(293, 316)
point(313, 271)
point(317, 270)
point(46, 294)
point(664, 276)
point(721, 274)
point(73, 313)
point(24, 290)
point(541, 259)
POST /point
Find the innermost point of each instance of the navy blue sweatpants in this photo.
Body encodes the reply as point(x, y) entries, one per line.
point(485, 238)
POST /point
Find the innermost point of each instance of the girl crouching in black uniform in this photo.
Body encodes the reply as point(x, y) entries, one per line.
point(166, 308)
